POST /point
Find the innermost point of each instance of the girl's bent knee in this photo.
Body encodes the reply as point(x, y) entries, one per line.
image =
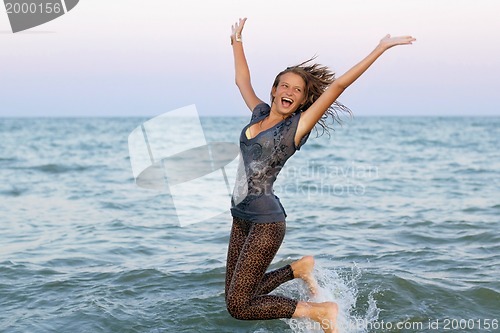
point(235, 310)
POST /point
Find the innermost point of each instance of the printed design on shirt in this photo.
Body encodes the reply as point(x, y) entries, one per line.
point(261, 171)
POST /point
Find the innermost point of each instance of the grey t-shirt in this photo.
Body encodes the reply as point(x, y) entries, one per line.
point(261, 160)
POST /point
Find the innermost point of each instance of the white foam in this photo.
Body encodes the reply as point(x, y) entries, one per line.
point(339, 286)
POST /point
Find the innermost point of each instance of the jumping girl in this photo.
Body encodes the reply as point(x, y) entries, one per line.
point(301, 97)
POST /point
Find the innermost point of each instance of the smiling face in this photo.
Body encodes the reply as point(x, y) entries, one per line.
point(288, 93)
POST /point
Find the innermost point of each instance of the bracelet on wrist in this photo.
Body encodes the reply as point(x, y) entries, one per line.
point(237, 37)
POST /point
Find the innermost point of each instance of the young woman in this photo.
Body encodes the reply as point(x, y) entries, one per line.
point(301, 97)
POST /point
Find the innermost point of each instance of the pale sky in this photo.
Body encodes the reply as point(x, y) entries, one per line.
point(144, 58)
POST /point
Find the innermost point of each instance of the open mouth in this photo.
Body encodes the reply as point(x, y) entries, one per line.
point(286, 102)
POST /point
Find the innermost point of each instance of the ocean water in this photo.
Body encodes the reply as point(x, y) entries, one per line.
point(402, 215)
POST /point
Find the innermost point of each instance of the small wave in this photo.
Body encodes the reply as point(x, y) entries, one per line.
point(484, 295)
point(482, 238)
point(114, 205)
point(14, 192)
point(473, 171)
point(52, 168)
point(138, 277)
point(8, 159)
point(424, 143)
point(472, 209)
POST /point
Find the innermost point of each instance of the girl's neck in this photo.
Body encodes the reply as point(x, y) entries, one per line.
point(275, 116)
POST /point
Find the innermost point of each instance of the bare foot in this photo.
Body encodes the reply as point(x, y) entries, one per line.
point(328, 317)
point(303, 269)
point(323, 313)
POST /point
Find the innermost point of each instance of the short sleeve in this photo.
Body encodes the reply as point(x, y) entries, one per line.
point(262, 109)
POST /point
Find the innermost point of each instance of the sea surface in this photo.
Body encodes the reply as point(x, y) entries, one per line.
point(401, 213)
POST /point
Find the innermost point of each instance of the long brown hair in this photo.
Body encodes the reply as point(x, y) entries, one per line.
point(317, 78)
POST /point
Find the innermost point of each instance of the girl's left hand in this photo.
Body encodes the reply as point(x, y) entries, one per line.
point(237, 28)
point(387, 42)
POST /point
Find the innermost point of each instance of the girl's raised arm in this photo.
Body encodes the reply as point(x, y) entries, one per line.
point(242, 73)
point(313, 114)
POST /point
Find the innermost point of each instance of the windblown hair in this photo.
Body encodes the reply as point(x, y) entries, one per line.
point(317, 78)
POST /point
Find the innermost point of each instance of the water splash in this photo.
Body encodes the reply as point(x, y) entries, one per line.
point(339, 286)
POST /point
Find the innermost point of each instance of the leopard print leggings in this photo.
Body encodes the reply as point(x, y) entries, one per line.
point(252, 247)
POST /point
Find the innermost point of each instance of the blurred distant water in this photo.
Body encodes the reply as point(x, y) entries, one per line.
point(401, 213)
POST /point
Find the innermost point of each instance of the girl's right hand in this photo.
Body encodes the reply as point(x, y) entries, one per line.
point(236, 30)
